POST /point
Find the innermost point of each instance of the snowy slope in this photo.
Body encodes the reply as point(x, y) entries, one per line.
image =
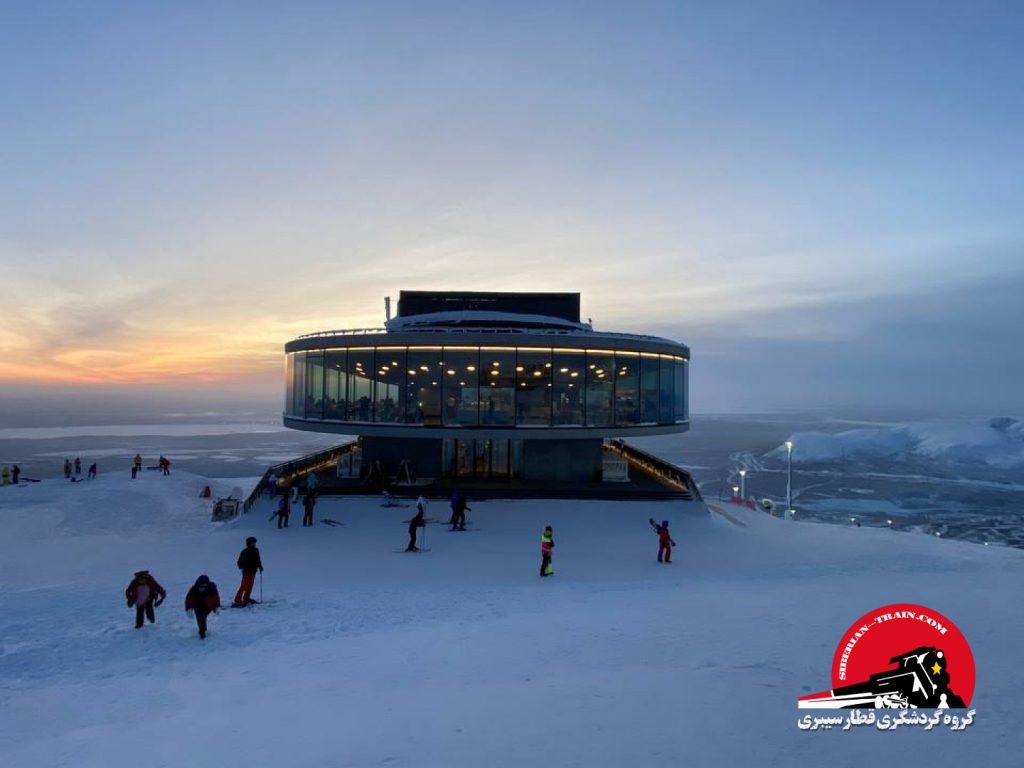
point(998, 442)
point(462, 656)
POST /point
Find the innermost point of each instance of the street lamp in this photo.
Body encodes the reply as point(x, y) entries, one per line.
point(789, 478)
point(735, 490)
point(743, 483)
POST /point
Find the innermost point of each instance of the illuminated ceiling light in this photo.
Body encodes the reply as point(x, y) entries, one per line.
point(412, 372)
point(495, 364)
point(470, 367)
point(547, 365)
point(451, 372)
point(599, 371)
point(536, 373)
point(592, 366)
point(523, 384)
point(424, 368)
point(386, 367)
point(574, 374)
point(563, 370)
point(519, 368)
point(462, 383)
point(549, 385)
point(494, 373)
point(570, 385)
point(433, 383)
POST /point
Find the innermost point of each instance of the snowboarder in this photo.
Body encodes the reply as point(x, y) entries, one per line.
point(547, 543)
point(78, 466)
point(249, 563)
point(284, 510)
point(308, 503)
point(202, 599)
point(665, 542)
point(416, 522)
point(15, 473)
point(145, 594)
point(92, 471)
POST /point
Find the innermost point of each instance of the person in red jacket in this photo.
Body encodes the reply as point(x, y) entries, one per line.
point(202, 600)
point(665, 542)
point(144, 593)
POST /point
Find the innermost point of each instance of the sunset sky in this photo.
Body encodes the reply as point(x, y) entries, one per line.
point(825, 201)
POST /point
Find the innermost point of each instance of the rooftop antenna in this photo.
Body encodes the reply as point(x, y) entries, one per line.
point(387, 308)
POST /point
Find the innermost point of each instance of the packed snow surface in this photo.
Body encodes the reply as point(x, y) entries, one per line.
point(462, 655)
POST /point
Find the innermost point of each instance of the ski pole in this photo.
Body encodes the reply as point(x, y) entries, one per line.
point(261, 586)
point(424, 537)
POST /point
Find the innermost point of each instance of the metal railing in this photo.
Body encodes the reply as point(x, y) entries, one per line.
point(288, 472)
point(664, 470)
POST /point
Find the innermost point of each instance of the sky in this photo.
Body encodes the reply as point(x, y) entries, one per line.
point(824, 200)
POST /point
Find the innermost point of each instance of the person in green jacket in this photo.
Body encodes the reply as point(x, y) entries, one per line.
point(547, 543)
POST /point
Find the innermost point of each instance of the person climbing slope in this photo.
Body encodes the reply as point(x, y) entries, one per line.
point(202, 600)
point(144, 594)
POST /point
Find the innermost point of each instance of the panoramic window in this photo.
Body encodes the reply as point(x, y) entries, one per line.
point(497, 386)
point(360, 384)
point(568, 373)
point(460, 390)
point(423, 386)
point(627, 396)
point(650, 391)
point(533, 386)
point(600, 388)
point(389, 385)
point(335, 384)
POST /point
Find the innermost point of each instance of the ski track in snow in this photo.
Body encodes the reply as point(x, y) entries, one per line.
point(463, 656)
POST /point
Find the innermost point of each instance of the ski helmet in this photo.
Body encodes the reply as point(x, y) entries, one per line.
point(251, 540)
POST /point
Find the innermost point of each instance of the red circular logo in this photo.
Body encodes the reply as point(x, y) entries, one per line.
point(903, 655)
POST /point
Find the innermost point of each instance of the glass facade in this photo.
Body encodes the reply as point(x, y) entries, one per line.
point(487, 386)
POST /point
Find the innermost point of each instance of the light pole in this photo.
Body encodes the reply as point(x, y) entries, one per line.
point(743, 483)
point(735, 490)
point(789, 479)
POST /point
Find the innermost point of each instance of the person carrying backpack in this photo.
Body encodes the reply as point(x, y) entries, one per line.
point(202, 600)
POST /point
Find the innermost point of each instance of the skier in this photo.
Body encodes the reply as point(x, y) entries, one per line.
point(665, 542)
point(308, 503)
point(15, 473)
point(284, 509)
point(202, 599)
point(165, 465)
point(249, 563)
point(145, 594)
point(416, 522)
point(547, 543)
point(138, 462)
point(67, 469)
point(78, 466)
point(458, 521)
point(6, 474)
point(92, 471)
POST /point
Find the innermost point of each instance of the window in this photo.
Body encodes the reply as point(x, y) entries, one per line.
point(336, 384)
point(299, 390)
point(360, 384)
point(650, 393)
point(423, 386)
point(568, 374)
point(533, 386)
point(460, 387)
point(600, 388)
point(627, 386)
point(668, 384)
point(315, 385)
point(389, 374)
point(497, 386)
point(289, 384)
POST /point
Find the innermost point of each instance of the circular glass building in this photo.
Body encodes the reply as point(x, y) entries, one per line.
point(492, 385)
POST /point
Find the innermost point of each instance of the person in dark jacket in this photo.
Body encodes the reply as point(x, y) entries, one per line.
point(284, 510)
point(15, 473)
point(417, 521)
point(92, 471)
point(249, 563)
point(308, 504)
point(145, 594)
point(202, 600)
point(459, 507)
